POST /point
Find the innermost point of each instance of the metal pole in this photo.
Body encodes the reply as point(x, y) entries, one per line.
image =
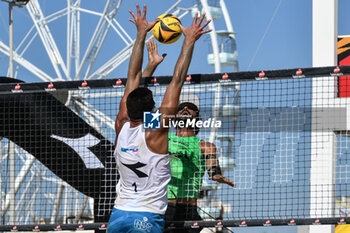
point(12, 191)
point(11, 39)
point(214, 40)
point(11, 145)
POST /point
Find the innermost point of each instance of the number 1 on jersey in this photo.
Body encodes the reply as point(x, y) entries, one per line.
point(134, 184)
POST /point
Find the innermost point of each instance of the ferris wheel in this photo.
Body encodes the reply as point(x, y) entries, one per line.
point(83, 56)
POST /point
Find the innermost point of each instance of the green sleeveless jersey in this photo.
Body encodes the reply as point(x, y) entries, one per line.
point(187, 167)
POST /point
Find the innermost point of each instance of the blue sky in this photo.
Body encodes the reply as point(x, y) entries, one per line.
point(270, 34)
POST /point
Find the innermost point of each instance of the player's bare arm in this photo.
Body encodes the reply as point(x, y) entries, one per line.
point(159, 138)
point(209, 151)
point(192, 34)
point(135, 64)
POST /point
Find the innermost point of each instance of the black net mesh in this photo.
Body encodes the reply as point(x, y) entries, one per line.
point(281, 138)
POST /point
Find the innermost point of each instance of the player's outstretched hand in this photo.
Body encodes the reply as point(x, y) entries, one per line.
point(153, 56)
point(196, 30)
point(222, 179)
point(140, 20)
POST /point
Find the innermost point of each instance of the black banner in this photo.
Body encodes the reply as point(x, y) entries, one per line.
point(68, 146)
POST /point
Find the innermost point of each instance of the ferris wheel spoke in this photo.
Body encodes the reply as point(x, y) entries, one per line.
point(71, 19)
point(100, 33)
point(57, 203)
point(90, 110)
point(46, 37)
point(19, 180)
point(123, 55)
point(76, 36)
point(175, 5)
point(128, 40)
point(112, 64)
point(22, 200)
point(27, 36)
point(3, 151)
point(56, 15)
point(26, 64)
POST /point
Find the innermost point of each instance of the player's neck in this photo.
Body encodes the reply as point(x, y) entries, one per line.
point(135, 123)
point(184, 132)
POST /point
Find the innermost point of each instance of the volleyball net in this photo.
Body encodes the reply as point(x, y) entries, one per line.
point(282, 136)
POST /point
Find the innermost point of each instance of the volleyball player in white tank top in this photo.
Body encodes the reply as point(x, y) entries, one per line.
point(142, 155)
point(144, 175)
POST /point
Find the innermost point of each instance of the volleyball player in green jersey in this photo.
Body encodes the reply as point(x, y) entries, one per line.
point(190, 158)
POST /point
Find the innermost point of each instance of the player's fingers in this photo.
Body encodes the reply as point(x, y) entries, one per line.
point(230, 182)
point(133, 14)
point(148, 46)
point(181, 27)
point(195, 18)
point(155, 47)
point(133, 21)
point(154, 23)
point(144, 10)
point(138, 10)
point(164, 55)
point(201, 19)
point(205, 24)
point(206, 31)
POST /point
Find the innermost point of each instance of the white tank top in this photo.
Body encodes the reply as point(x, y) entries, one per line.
point(144, 175)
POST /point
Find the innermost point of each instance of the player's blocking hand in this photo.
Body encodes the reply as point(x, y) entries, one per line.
point(222, 179)
point(196, 30)
point(140, 20)
point(153, 56)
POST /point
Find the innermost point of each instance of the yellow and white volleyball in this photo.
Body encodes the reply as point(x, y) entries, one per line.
point(167, 30)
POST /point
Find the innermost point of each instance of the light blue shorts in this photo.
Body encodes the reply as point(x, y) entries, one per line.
point(135, 222)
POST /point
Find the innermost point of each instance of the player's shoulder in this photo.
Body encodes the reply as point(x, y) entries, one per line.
point(206, 144)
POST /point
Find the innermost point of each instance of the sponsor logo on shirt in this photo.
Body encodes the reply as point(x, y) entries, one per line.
point(129, 149)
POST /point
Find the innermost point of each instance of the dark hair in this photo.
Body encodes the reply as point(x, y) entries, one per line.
point(193, 107)
point(139, 100)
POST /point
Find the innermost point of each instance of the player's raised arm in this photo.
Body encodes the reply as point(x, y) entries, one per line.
point(157, 140)
point(135, 64)
point(192, 34)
